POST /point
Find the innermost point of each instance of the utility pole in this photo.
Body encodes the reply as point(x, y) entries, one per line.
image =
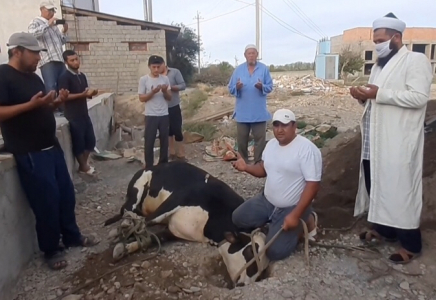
point(198, 40)
point(259, 28)
point(150, 10)
point(145, 4)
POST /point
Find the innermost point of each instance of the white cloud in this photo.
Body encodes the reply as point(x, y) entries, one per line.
point(225, 37)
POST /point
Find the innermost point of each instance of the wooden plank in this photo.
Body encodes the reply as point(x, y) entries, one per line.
point(213, 117)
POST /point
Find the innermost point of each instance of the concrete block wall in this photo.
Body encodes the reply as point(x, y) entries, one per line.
point(109, 64)
point(17, 223)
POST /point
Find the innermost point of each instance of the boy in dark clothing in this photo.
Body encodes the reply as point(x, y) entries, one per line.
point(76, 111)
point(29, 132)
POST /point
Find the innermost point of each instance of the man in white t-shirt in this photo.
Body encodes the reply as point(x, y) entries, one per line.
point(155, 91)
point(292, 166)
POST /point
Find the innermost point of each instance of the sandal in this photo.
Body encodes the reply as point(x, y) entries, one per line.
point(91, 171)
point(373, 237)
point(403, 257)
point(57, 261)
point(181, 158)
point(172, 157)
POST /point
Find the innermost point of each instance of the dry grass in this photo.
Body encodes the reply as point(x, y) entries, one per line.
point(206, 129)
point(191, 103)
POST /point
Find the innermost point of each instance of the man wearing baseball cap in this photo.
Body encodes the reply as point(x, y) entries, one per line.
point(28, 127)
point(292, 166)
point(154, 90)
point(51, 38)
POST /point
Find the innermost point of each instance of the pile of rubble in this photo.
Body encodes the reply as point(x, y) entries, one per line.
point(307, 84)
point(225, 148)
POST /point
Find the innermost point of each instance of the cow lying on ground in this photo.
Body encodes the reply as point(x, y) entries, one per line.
point(194, 205)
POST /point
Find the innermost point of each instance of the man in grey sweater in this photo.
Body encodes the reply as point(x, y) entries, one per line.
point(154, 91)
point(175, 113)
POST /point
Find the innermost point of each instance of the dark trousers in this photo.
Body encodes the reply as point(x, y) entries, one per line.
point(175, 115)
point(82, 135)
point(410, 239)
point(47, 184)
point(259, 133)
point(152, 124)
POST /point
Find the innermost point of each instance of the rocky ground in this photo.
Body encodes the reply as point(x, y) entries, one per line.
point(185, 270)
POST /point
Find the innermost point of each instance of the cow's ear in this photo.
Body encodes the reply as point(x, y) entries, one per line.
point(230, 237)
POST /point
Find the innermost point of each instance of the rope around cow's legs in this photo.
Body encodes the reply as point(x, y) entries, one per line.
point(258, 254)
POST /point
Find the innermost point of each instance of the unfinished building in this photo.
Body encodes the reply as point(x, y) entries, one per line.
point(360, 40)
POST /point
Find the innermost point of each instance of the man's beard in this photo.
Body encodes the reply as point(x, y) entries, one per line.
point(382, 61)
point(73, 68)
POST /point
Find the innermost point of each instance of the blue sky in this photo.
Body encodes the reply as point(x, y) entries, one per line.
point(225, 37)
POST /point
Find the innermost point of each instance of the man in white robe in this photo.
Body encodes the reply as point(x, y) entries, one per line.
point(390, 181)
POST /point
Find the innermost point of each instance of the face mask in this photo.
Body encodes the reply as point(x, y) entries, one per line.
point(383, 49)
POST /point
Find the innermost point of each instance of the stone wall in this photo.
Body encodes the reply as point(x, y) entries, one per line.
point(113, 56)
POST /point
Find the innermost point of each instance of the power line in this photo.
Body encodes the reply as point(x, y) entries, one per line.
point(219, 16)
point(300, 13)
point(286, 25)
point(281, 22)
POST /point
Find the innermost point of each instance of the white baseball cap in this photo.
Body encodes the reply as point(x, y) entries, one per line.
point(48, 5)
point(283, 116)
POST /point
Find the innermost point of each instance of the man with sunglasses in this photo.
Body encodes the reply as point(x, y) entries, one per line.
point(395, 101)
point(292, 166)
point(51, 38)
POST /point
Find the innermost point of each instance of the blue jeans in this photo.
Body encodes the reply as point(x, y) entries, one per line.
point(47, 184)
point(50, 73)
point(258, 211)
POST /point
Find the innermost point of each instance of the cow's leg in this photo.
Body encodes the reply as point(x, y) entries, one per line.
point(188, 223)
point(253, 213)
point(164, 235)
point(166, 209)
point(287, 241)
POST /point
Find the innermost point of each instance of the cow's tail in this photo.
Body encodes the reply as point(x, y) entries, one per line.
point(112, 220)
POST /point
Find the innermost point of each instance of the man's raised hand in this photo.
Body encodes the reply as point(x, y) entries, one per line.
point(240, 163)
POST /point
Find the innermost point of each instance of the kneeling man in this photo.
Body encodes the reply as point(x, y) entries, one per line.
point(292, 166)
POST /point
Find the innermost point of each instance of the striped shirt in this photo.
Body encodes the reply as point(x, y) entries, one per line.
point(50, 38)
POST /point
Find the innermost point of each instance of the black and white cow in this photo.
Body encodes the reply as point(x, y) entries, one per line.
point(237, 250)
point(195, 206)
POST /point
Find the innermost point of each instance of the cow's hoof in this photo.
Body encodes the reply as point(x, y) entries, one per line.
point(118, 252)
point(113, 233)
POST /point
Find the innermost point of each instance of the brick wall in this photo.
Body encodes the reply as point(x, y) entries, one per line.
point(113, 56)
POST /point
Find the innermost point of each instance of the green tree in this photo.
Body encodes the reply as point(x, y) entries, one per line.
point(350, 62)
point(183, 55)
point(225, 67)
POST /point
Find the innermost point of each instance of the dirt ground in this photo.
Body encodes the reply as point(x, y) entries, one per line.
point(184, 270)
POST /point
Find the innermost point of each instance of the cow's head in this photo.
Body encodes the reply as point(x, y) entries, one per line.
point(237, 250)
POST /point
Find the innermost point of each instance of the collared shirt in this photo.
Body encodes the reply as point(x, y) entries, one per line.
point(251, 102)
point(176, 79)
point(50, 38)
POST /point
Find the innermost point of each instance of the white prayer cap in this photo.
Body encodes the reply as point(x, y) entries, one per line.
point(389, 21)
point(251, 46)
